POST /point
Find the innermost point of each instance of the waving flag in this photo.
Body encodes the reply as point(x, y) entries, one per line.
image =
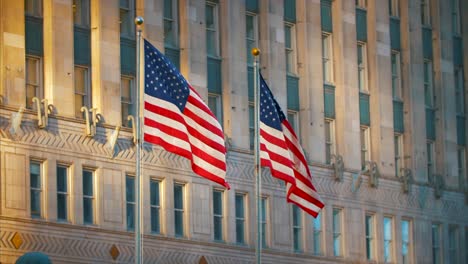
point(176, 118)
point(280, 150)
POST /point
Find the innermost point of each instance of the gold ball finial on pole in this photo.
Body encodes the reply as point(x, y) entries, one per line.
point(139, 21)
point(255, 52)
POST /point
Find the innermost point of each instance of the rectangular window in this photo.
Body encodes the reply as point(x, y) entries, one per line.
point(214, 103)
point(88, 196)
point(179, 209)
point(329, 139)
point(293, 119)
point(365, 146)
point(251, 125)
point(398, 141)
point(453, 244)
point(212, 29)
point(127, 98)
point(394, 8)
point(436, 251)
point(318, 235)
point(240, 218)
point(82, 90)
point(251, 29)
point(35, 177)
point(297, 228)
point(428, 87)
point(34, 86)
point(127, 15)
point(461, 160)
point(155, 204)
point(430, 160)
point(264, 220)
point(459, 91)
point(81, 13)
point(290, 46)
point(426, 13)
point(218, 215)
point(361, 3)
point(362, 66)
point(370, 237)
point(327, 58)
point(388, 239)
point(337, 240)
point(396, 79)
point(33, 8)
point(171, 30)
point(62, 193)
point(130, 200)
point(456, 17)
point(406, 241)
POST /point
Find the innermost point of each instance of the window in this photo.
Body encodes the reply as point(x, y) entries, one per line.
point(127, 93)
point(81, 12)
point(171, 30)
point(425, 13)
point(329, 139)
point(293, 119)
point(251, 35)
point(130, 200)
point(155, 204)
point(453, 244)
point(35, 177)
point(212, 29)
point(327, 58)
point(361, 3)
point(263, 220)
point(33, 8)
point(214, 103)
point(127, 15)
point(428, 87)
point(396, 79)
point(459, 91)
point(406, 241)
point(297, 228)
point(218, 215)
point(370, 236)
point(62, 193)
point(430, 160)
point(388, 239)
point(436, 252)
point(456, 17)
point(240, 218)
point(33, 80)
point(179, 209)
point(318, 235)
point(251, 125)
point(365, 146)
point(88, 196)
point(290, 46)
point(461, 163)
point(394, 8)
point(82, 93)
point(337, 244)
point(398, 141)
point(362, 66)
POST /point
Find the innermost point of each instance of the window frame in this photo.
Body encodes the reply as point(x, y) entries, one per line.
point(251, 125)
point(459, 91)
point(394, 8)
point(218, 217)
point(428, 79)
point(327, 58)
point(264, 220)
point(293, 119)
point(129, 23)
point(436, 243)
point(365, 145)
point(369, 222)
point(240, 219)
point(290, 52)
point(86, 94)
point(399, 153)
point(174, 21)
point(254, 40)
point(218, 111)
point(215, 30)
point(361, 4)
point(297, 228)
point(362, 68)
point(38, 85)
point(129, 105)
point(426, 13)
point(409, 243)
point(130, 204)
point(318, 235)
point(65, 194)
point(430, 159)
point(84, 14)
point(453, 244)
point(388, 241)
point(330, 139)
point(337, 231)
point(180, 210)
point(38, 189)
point(397, 91)
point(37, 8)
point(156, 207)
point(91, 197)
point(456, 23)
point(461, 160)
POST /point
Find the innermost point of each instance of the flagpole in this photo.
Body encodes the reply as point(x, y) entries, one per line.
point(258, 173)
point(138, 179)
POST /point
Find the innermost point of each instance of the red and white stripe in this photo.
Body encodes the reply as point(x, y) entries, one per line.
point(194, 133)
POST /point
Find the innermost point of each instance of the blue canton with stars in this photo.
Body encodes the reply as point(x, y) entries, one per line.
point(163, 80)
point(270, 111)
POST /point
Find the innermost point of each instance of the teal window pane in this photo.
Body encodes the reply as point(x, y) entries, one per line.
point(179, 210)
point(155, 222)
point(62, 179)
point(130, 189)
point(130, 217)
point(317, 222)
point(168, 9)
point(62, 207)
point(62, 193)
point(88, 211)
point(329, 101)
point(293, 92)
point(361, 24)
point(364, 109)
point(155, 206)
point(251, 6)
point(173, 55)
point(88, 183)
point(36, 188)
point(297, 228)
point(326, 15)
point(240, 219)
point(179, 223)
point(154, 192)
point(34, 36)
point(427, 43)
point(398, 118)
point(395, 41)
point(130, 200)
point(290, 11)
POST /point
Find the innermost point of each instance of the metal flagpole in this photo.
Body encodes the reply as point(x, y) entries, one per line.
point(138, 178)
point(258, 173)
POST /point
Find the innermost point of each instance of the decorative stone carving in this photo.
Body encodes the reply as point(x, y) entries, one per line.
point(16, 121)
point(406, 179)
point(17, 240)
point(114, 252)
point(338, 166)
point(113, 139)
point(438, 184)
point(373, 171)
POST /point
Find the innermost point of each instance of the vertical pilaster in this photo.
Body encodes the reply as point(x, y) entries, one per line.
point(153, 27)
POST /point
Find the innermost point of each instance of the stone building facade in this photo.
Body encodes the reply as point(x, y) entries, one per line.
point(374, 88)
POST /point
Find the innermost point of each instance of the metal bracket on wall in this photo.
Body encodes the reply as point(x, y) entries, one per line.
point(42, 112)
point(90, 124)
point(132, 121)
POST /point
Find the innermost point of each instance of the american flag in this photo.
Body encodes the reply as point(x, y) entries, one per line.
point(176, 118)
point(280, 150)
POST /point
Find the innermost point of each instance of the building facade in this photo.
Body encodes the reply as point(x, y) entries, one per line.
point(375, 90)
